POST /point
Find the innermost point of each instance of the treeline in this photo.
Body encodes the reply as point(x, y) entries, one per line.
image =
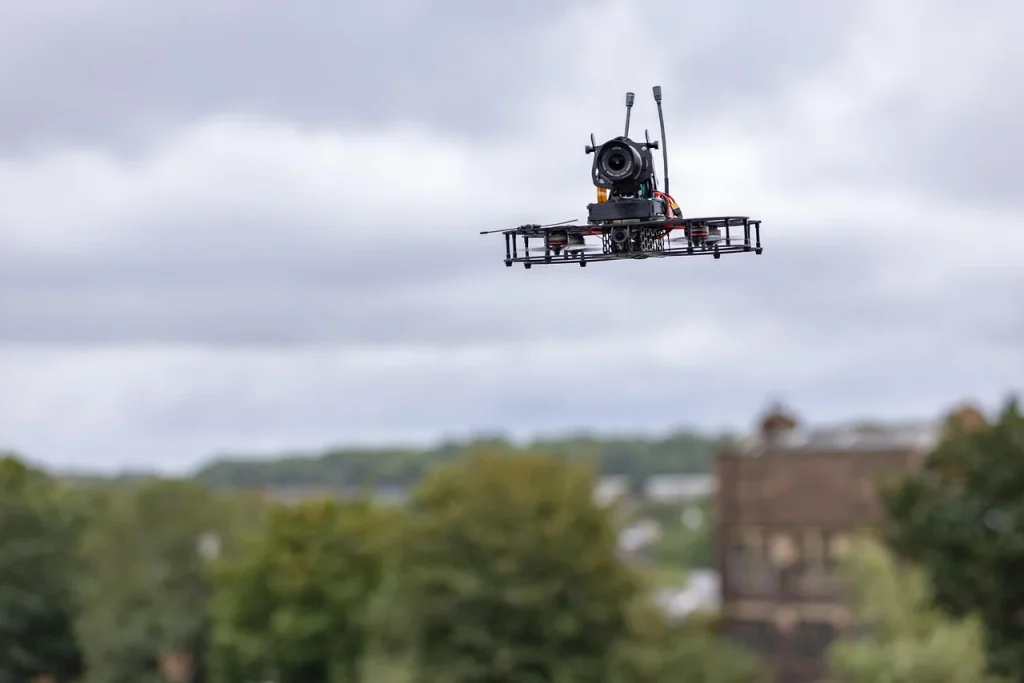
point(683, 452)
point(500, 569)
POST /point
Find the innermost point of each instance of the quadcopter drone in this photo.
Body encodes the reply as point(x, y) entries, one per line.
point(632, 218)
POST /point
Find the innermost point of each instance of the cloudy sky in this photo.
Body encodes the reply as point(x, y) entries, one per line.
point(244, 226)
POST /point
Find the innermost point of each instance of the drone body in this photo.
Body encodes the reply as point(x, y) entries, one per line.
point(632, 218)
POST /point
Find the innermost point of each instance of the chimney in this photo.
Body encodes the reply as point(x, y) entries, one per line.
point(776, 424)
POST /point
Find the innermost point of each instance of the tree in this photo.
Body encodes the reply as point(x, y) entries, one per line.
point(293, 607)
point(659, 651)
point(961, 517)
point(510, 574)
point(146, 587)
point(37, 609)
point(903, 637)
point(638, 458)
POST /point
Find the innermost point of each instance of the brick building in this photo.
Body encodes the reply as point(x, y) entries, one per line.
point(787, 503)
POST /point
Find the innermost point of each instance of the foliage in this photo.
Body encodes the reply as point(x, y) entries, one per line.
point(146, 587)
point(294, 606)
point(36, 568)
point(510, 573)
point(680, 453)
point(658, 651)
point(903, 637)
point(502, 569)
point(962, 518)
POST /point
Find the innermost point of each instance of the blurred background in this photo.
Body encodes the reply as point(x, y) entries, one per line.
point(274, 411)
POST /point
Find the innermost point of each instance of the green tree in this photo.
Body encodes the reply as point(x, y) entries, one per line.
point(510, 574)
point(961, 517)
point(37, 610)
point(293, 607)
point(659, 651)
point(146, 587)
point(902, 637)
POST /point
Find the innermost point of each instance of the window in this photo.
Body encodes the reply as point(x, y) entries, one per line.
point(833, 575)
point(820, 562)
point(813, 639)
point(757, 636)
point(812, 561)
point(738, 565)
point(750, 569)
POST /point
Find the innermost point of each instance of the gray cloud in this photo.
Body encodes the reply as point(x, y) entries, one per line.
point(973, 150)
point(117, 70)
point(203, 318)
point(744, 57)
point(831, 287)
point(945, 121)
point(119, 73)
point(174, 413)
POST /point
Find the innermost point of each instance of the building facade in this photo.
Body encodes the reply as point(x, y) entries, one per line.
point(786, 506)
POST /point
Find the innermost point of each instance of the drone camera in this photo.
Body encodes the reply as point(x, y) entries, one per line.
point(623, 165)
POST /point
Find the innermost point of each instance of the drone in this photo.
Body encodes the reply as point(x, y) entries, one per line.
point(632, 218)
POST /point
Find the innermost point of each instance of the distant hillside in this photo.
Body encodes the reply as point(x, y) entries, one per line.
point(680, 453)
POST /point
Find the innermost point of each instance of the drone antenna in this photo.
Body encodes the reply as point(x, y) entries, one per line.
point(664, 145)
point(629, 107)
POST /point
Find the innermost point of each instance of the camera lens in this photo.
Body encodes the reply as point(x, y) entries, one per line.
point(618, 161)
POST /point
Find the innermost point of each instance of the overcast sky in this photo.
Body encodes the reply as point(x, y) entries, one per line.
point(249, 225)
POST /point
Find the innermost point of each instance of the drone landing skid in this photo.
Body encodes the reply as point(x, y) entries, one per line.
point(543, 245)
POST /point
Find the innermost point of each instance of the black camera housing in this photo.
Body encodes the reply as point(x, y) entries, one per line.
point(622, 166)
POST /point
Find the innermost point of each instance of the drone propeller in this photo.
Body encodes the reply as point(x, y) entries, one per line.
point(567, 244)
point(701, 233)
point(533, 226)
point(708, 241)
point(574, 246)
point(569, 249)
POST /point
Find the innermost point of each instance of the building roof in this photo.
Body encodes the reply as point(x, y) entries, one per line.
point(864, 438)
point(611, 488)
point(679, 486)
